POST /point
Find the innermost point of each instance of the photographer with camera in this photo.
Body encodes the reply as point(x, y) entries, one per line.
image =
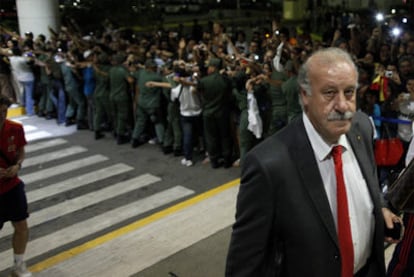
point(184, 103)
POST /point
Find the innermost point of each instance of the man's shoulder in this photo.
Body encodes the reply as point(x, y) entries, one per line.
point(285, 138)
point(361, 120)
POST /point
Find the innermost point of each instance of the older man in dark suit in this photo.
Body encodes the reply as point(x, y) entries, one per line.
point(309, 201)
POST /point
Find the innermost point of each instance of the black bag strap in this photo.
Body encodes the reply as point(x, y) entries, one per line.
point(181, 91)
point(177, 100)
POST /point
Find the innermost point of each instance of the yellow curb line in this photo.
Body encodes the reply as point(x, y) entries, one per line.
point(14, 112)
point(129, 228)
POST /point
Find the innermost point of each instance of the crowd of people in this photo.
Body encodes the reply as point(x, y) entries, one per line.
point(209, 90)
point(106, 82)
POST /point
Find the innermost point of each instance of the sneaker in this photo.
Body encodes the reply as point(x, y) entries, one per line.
point(186, 162)
point(153, 141)
point(20, 270)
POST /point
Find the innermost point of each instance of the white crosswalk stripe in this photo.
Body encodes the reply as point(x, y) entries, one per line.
point(51, 156)
point(37, 135)
point(59, 169)
point(77, 181)
point(43, 145)
point(50, 159)
point(29, 128)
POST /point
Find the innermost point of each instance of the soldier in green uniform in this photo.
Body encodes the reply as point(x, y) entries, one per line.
point(291, 89)
point(279, 105)
point(120, 99)
point(45, 104)
point(173, 134)
point(215, 90)
point(148, 109)
point(103, 112)
point(76, 100)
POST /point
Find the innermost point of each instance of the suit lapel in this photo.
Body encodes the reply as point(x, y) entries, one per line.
point(365, 164)
point(302, 152)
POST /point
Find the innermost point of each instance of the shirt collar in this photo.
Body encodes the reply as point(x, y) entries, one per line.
point(321, 149)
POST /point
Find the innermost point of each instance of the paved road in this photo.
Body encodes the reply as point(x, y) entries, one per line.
point(99, 209)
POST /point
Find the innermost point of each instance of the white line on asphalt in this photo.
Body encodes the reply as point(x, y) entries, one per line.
point(82, 229)
point(32, 147)
point(37, 135)
point(77, 181)
point(139, 249)
point(85, 200)
point(63, 168)
point(29, 128)
point(53, 155)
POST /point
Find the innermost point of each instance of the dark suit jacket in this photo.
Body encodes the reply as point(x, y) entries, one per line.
point(284, 224)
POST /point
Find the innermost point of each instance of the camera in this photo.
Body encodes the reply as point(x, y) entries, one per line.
point(406, 96)
point(256, 57)
point(277, 32)
point(395, 232)
point(388, 73)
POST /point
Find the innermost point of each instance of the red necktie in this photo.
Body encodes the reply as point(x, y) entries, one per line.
point(344, 226)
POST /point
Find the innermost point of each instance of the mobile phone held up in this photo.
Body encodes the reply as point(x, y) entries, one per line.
point(388, 73)
point(394, 233)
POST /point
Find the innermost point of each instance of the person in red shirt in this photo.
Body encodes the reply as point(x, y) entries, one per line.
point(13, 202)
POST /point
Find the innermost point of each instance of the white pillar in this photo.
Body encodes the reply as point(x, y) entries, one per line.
point(37, 16)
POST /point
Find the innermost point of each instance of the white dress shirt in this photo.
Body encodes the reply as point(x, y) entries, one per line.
point(359, 201)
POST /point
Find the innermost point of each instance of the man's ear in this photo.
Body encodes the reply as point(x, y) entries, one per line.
point(303, 97)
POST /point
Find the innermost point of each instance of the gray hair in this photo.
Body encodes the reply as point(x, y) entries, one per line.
point(329, 55)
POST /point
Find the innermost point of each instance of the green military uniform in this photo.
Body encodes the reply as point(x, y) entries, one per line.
point(291, 89)
point(103, 110)
point(173, 134)
point(120, 100)
point(77, 102)
point(279, 105)
point(148, 106)
point(45, 104)
point(215, 90)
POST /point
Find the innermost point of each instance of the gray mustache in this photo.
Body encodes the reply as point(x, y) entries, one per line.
point(340, 116)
